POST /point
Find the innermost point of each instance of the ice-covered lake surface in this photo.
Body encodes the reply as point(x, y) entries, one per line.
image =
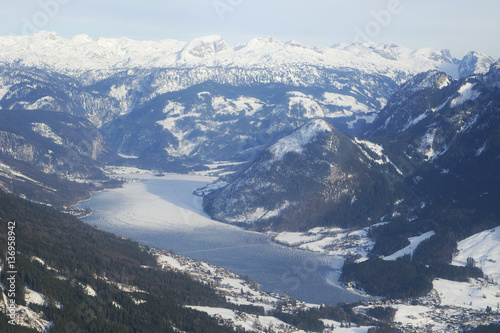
point(161, 211)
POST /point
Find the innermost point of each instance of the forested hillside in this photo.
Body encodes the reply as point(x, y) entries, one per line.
point(60, 257)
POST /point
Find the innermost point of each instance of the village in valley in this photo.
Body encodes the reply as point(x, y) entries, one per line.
point(237, 290)
point(449, 307)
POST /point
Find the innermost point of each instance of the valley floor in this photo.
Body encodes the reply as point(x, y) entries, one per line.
point(449, 307)
point(241, 291)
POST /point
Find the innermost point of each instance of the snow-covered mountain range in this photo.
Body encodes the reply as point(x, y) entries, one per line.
point(314, 176)
point(80, 55)
point(404, 141)
point(239, 98)
point(176, 106)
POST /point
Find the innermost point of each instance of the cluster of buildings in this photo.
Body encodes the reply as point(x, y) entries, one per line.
point(427, 314)
point(423, 314)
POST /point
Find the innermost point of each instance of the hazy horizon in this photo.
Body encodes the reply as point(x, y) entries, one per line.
point(459, 26)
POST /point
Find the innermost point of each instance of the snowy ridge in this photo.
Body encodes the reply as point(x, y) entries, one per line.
point(45, 131)
point(432, 79)
point(466, 93)
point(414, 242)
point(378, 150)
point(475, 63)
point(81, 54)
point(296, 141)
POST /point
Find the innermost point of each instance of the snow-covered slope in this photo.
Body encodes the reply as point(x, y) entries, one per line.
point(414, 242)
point(475, 63)
point(81, 53)
point(257, 91)
point(484, 248)
point(296, 141)
point(314, 176)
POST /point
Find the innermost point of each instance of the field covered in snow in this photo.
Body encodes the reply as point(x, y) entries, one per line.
point(484, 247)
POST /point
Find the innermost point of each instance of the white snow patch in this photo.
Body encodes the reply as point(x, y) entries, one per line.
point(369, 118)
point(335, 242)
point(128, 156)
point(45, 131)
point(260, 213)
point(413, 122)
point(277, 211)
point(248, 105)
point(88, 290)
point(427, 145)
point(41, 261)
point(8, 172)
point(41, 103)
point(119, 93)
point(203, 94)
point(467, 93)
point(33, 297)
point(138, 301)
point(319, 245)
point(377, 149)
point(338, 329)
point(173, 108)
point(308, 106)
point(484, 247)
point(413, 315)
point(241, 319)
point(4, 89)
point(414, 242)
point(346, 101)
point(24, 316)
point(443, 84)
point(296, 141)
point(170, 262)
point(474, 294)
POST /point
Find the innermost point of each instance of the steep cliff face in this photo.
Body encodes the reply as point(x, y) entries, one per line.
point(445, 139)
point(434, 121)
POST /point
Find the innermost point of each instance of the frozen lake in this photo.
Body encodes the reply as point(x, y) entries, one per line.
point(162, 212)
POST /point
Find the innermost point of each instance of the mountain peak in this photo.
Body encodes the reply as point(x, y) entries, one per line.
point(205, 47)
point(430, 79)
point(313, 176)
point(82, 39)
point(475, 63)
point(399, 114)
point(296, 141)
point(294, 42)
point(71, 56)
point(262, 42)
point(46, 36)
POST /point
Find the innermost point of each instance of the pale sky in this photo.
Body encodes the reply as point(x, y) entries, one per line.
point(458, 25)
